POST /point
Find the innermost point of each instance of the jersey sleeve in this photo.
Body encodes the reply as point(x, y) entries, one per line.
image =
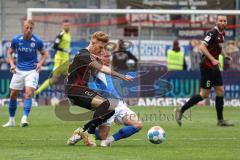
point(85, 57)
point(210, 38)
point(81, 59)
point(40, 45)
point(57, 41)
point(13, 43)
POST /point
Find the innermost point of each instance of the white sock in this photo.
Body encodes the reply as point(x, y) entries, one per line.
point(24, 118)
point(12, 119)
point(111, 139)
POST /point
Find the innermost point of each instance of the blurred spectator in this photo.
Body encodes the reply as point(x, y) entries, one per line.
point(175, 58)
point(124, 60)
point(238, 44)
point(231, 47)
point(195, 56)
point(1, 61)
point(4, 63)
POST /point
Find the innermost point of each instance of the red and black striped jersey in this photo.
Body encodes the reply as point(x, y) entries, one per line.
point(213, 41)
point(79, 70)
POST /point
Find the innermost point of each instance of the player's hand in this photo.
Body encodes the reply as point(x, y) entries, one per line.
point(214, 62)
point(128, 78)
point(13, 69)
point(38, 67)
point(229, 58)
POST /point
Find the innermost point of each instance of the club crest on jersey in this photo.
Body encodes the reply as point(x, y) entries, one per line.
point(32, 44)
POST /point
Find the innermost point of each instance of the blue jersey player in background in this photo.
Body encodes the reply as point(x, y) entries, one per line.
point(123, 115)
point(25, 71)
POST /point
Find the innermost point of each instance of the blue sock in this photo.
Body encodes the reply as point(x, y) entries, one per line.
point(125, 132)
point(97, 136)
point(27, 106)
point(12, 107)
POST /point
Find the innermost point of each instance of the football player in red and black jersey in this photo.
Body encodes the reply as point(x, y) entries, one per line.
point(210, 73)
point(85, 66)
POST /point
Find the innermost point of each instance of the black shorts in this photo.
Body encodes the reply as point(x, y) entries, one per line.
point(81, 96)
point(210, 78)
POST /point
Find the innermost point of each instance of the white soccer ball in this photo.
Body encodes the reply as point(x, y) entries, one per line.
point(54, 101)
point(156, 135)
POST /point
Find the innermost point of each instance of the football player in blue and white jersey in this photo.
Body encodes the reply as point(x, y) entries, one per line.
point(123, 115)
point(25, 71)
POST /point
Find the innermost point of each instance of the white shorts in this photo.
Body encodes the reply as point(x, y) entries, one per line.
point(120, 111)
point(23, 79)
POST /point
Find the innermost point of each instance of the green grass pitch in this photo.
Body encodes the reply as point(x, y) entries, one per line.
point(198, 138)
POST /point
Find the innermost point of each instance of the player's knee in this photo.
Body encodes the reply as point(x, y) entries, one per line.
point(102, 109)
point(28, 95)
point(53, 79)
point(13, 95)
point(220, 92)
point(106, 103)
point(204, 95)
point(104, 106)
point(138, 125)
point(103, 136)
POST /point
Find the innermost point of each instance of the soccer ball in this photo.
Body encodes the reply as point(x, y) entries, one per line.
point(54, 101)
point(156, 135)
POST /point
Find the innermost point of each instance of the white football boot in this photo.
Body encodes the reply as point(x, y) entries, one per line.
point(107, 142)
point(75, 137)
point(24, 122)
point(10, 123)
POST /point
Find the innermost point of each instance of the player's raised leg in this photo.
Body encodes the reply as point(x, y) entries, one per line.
point(204, 93)
point(57, 71)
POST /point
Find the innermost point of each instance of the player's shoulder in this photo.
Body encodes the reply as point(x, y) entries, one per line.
point(83, 52)
point(60, 34)
point(36, 38)
point(18, 37)
point(212, 32)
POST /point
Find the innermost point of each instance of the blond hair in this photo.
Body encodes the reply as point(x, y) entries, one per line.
point(31, 22)
point(101, 36)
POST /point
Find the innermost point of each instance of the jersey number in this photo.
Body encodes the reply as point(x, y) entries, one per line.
point(208, 83)
point(89, 93)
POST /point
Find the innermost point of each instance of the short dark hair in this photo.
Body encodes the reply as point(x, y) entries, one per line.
point(65, 21)
point(220, 15)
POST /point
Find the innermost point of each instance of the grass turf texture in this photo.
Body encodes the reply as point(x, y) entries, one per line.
point(198, 138)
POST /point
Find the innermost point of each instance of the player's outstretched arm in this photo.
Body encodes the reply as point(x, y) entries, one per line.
point(108, 70)
point(42, 60)
point(203, 49)
point(11, 60)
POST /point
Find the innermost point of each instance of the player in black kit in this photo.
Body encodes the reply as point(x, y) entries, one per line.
point(210, 72)
point(85, 65)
